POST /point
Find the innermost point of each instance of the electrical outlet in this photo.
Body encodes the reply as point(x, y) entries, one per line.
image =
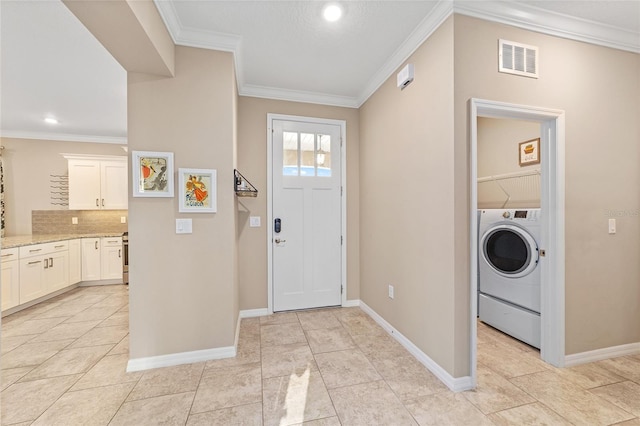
point(390, 291)
point(123, 219)
point(74, 220)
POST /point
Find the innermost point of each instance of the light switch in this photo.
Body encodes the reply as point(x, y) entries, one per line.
point(184, 226)
point(254, 221)
point(612, 226)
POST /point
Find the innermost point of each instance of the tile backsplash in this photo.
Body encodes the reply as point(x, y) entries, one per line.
point(89, 221)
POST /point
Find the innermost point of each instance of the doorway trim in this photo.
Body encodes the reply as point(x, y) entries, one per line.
point(343, 199)
point(552, 195)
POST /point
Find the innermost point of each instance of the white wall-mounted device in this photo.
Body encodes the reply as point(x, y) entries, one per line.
point(405, 76)
point(184, 226)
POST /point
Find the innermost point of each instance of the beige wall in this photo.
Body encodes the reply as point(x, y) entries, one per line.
point(498, 141)
point(183, 287)
point(28, 164)
point(498, 144)
point(252, 163)
point(599, 89)
point(407, 201)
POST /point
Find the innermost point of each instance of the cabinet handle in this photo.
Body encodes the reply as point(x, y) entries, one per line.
point(97, 204)
point(51, 262)
point(119, 252)
point(96, 245)
point(46, 264)
point(60, 246)
point(103, 202)
point(34, 262)
point(34, 250)
point(7, 255)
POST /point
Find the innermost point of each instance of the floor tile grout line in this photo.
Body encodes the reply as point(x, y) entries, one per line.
point(333, 404)
point(261, 373)
point(189, 414)
point(58, 398)
point(624, 378)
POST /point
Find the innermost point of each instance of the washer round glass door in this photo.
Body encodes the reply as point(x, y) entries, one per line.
point(510, 251)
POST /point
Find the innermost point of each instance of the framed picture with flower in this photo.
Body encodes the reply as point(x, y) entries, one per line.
point(197, 190)
point(152, 174)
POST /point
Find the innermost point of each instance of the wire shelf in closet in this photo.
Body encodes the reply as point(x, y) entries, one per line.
point(518, 189)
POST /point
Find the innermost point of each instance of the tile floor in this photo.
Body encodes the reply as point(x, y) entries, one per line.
point(63, 363)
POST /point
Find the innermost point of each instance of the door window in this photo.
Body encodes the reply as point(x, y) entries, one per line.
point(306, 154)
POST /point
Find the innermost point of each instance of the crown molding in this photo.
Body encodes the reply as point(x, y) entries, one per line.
point(423, 31)
point(506, 12)
point(63, 137)
point(170, 17)
point(208, 40)
point(551, 23)
point(297, 96)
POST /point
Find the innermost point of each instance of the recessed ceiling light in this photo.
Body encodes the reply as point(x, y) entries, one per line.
point(51, 120)
point(332, 12)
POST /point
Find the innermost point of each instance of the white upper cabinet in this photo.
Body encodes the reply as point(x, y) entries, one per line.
point(97, 183)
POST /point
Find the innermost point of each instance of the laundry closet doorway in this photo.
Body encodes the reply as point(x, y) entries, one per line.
point(551, 222)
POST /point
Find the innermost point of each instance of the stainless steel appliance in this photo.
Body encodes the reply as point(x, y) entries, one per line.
point(125, 259)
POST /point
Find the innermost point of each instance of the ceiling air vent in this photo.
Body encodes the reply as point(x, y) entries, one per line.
point(518, 58)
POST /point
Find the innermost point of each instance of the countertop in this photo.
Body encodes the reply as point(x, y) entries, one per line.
point(25, 240)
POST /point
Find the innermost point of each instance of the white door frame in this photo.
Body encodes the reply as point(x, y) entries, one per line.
point(343, 199)
point(552, 164)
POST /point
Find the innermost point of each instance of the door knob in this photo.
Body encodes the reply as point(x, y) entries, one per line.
point(278, 241)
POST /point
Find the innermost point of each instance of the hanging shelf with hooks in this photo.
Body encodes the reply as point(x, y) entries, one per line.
point(242, 186)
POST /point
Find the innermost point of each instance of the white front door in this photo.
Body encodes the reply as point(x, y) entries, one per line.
point(306, 211)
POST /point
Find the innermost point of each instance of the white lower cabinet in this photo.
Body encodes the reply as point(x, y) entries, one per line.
point(75, 261)
point(111, 259)
point(91, 259)
point(44, 268)
point(32, 278)
point(102, 258)
point(10, 278)
point(56, 275)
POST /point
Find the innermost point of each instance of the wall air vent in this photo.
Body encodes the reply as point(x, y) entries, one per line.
point(518, 58)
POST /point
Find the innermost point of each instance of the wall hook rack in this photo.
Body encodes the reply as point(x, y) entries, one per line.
point(242, 186)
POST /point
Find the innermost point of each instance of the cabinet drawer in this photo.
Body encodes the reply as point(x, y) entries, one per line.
point(111, 241)
point(33, 250)
point(58, 246)
point(45, 248)
point(9, 254)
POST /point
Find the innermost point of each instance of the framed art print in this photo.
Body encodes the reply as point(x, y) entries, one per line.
point(152, 174)
point(529, 152)
point(197, 190)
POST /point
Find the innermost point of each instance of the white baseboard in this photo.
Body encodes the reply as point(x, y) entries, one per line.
point(250, 313)
point(458, 384)
point(600, 354)
point(100, 282)
point(139, 364)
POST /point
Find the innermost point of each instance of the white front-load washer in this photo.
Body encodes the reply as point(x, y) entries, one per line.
point(509, 274)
